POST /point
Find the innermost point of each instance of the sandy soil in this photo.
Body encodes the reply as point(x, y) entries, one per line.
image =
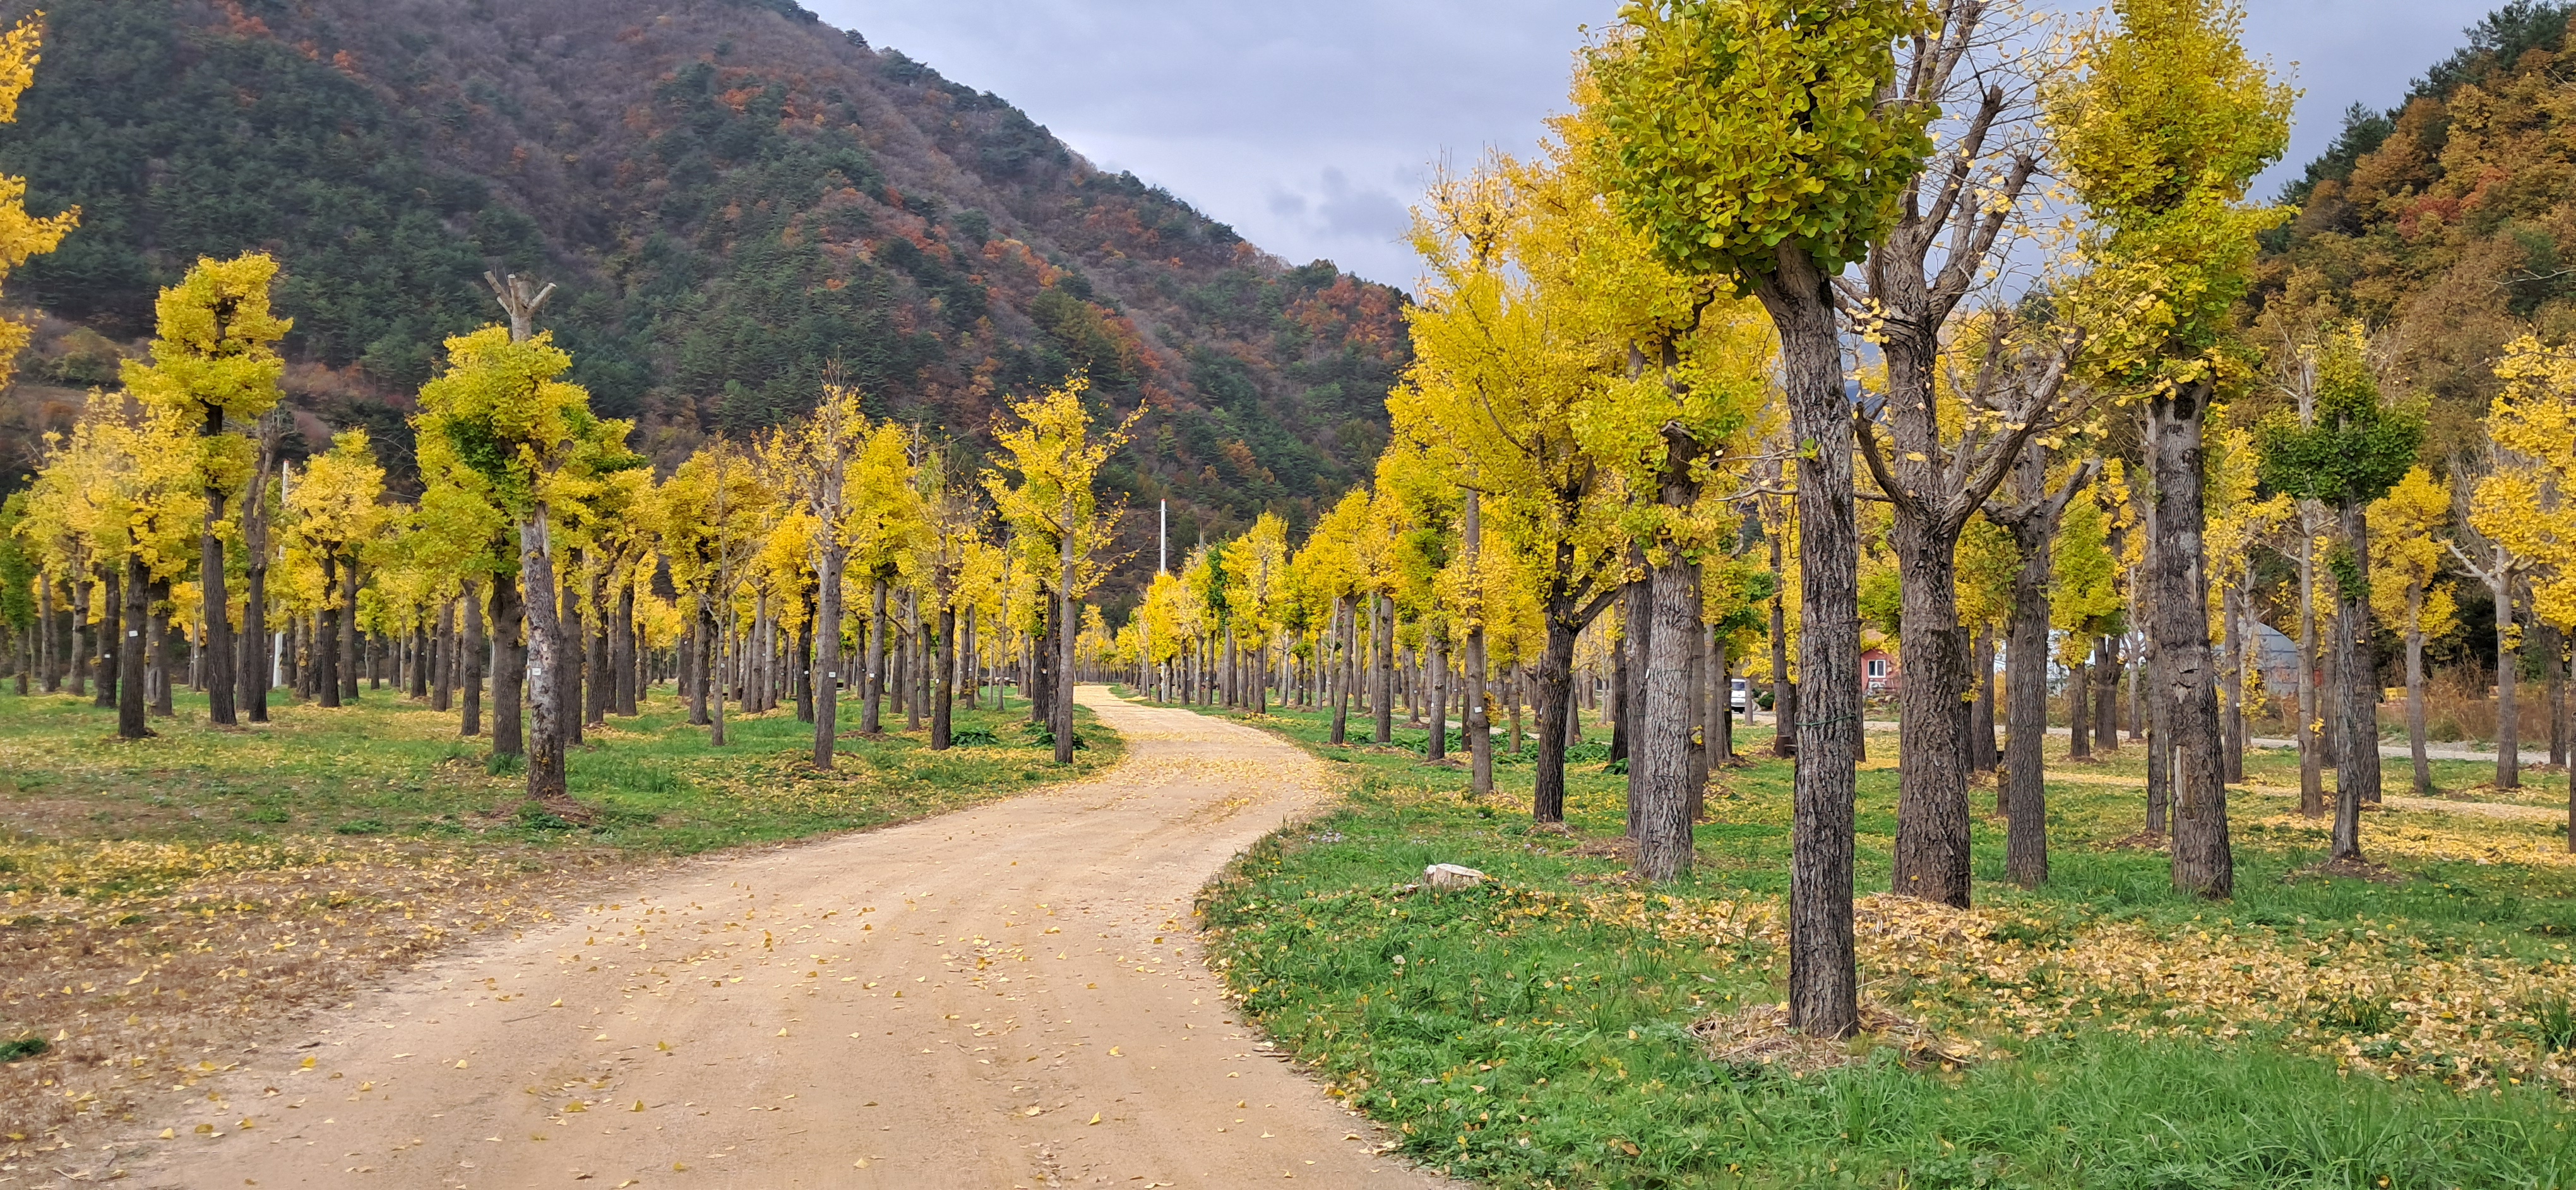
point(1008, 996)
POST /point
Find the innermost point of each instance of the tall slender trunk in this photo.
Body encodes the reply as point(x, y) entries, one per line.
point(2231, 612)
point(1344, 617)
point(872, 698)
point(133, 693)
point(2025, 789)
point(1824, 984)
point(2312, 797)
point(351, 659)
point(601, 690)
point(621, 646)
point(1438, 745)
point(1980, 744)
point(111, 633)
point(2357, 768)
point(49, 643)
point(1659, 756)
point(2553, 651)
point(327, 659)
point(1382, 698)
point(2106, 694)
point(213, 619)
point(2079, 698)
point(1696, 781)
point(84, 637)
point(1555, 699)
point(548, 735)
point(572, 655)
point(510, 672)
point(2203, 860)
point(943, 697)
point(1479, 728)
point(826, 658)
point(470, 667)
point(2508, 673)
point(158, 641)
point(446, 658)
point(1721, 664)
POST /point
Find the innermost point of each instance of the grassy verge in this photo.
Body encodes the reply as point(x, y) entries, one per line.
point(2098, 1032)
point(163, 902)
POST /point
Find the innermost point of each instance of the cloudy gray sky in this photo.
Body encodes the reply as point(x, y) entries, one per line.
point(1311, 126)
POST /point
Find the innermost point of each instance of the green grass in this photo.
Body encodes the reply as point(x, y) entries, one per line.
point(1536, 1031)
point(390, 767)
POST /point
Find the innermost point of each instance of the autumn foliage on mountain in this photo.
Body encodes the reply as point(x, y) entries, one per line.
point(2448, 219)
point(737, 200)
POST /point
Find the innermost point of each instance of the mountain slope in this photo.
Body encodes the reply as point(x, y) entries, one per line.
point(2449, 221)
point(735, 199)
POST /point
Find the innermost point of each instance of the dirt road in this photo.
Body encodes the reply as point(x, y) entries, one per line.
point(1004, 997)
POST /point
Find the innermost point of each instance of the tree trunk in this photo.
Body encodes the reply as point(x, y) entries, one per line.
point(1345, 625)
point(621, 647)
point(1382, 697)
point(872, 698)
point(572, 655)
point(2357, 768)
point(1479, 716)
point(2509, 672)
point(2106, 695)
point(1438, 746)
point(351, 659)
point(133, 692)
point(943, 697)
point(1721, 742)
point(2079, 697)
point(548, 734)
point(470, 664)
point(2231, 608)
point(159, 642)
point(2553, 651)
point(1696, 781)
point(1555, 698)
point(111, 634)
point(601, 689)
point(1824, 991)
point(2025, 788)
point(2312, 797)
point(1980, 745)
point(1932, 831)
point(1660, 745)
point(2203, 861)
point(216, 608)
point(510, 673)
point(826, 659)
point(326, 666)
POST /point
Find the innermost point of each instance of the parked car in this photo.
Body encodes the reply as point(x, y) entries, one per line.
point(1740, 694)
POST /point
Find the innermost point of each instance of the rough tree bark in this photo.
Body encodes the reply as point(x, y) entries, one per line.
point(2357, 766)
point(1660, 747)
point(2203, 861)
point(132, 690)
point(471, 679)
point(1824, 988)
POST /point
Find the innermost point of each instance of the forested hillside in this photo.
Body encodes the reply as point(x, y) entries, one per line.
point(735, 198)
point(2447, 219)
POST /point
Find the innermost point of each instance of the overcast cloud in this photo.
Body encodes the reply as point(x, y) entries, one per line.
point(1311, 127)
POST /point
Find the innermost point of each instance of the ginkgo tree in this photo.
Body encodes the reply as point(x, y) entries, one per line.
point(2159, 130)
point(2408, 588)
point(1754, 145)
point(214, 358)
point(504, 408)
point(1042, 482)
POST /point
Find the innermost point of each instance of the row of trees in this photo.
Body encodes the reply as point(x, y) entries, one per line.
point(1777, 344)
point(540, 548)
point(1635, 377)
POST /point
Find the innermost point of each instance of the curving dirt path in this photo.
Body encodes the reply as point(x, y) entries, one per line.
point(1007, 996)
